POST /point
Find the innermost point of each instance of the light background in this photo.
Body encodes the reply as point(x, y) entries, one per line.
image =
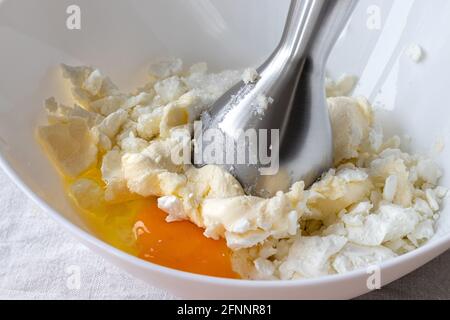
point(38, 261)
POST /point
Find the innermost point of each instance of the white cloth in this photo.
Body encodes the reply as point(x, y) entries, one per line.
point(38, 260)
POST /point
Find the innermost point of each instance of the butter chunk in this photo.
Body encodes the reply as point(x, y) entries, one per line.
point(71, 145)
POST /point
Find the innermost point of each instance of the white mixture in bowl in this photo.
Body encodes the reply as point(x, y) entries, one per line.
point(378, 201)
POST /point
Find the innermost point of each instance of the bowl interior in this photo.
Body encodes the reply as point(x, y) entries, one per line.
point(121, 38)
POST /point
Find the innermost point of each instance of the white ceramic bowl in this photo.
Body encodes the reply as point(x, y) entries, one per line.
point(121, 37)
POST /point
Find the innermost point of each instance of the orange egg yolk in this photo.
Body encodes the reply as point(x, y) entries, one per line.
point(179, 245)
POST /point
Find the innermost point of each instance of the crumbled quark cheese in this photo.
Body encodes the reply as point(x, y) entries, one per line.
point(415, 52)
point(250, 75)
point(378, 201)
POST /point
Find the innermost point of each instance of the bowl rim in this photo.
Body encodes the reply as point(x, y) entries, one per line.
point(205, 279)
